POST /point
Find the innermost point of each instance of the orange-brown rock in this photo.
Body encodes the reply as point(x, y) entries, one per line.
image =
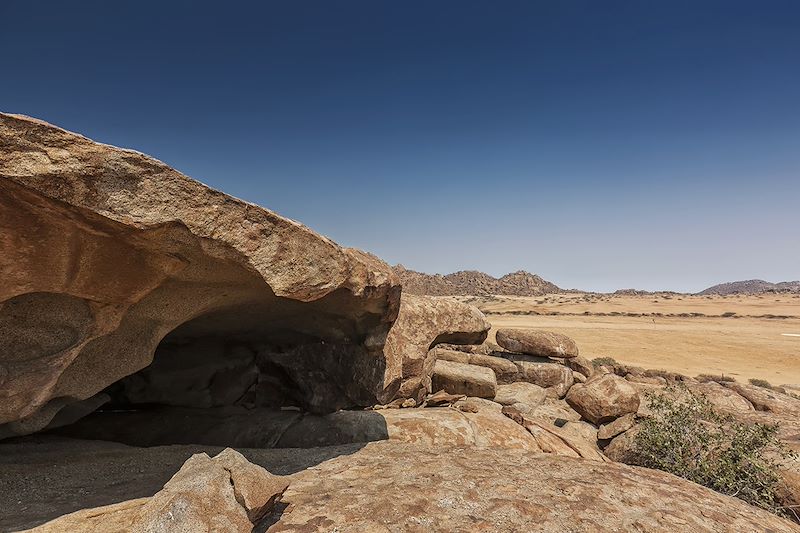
point(460, 378)
point(226, 493)
point(505, 371)
point(422, 323)
point(387, 487)
point(544, 372)
point(537, 342)
point(105, 251)
point(603, 398)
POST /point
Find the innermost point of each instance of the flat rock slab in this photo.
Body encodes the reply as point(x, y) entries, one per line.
point(44, 477)
point(521, 392)
point(460, 378)
point(405, 488)
point(537, 342)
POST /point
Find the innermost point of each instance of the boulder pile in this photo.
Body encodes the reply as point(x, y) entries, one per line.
point(537, 388)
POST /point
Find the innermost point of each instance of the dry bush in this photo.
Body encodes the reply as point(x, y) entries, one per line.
point(686, 437)
point(604, 361)
point(722, 378)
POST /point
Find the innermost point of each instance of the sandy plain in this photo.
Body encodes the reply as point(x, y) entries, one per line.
point(744, 336)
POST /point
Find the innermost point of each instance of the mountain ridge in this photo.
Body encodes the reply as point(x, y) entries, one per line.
point(750, 286)
point(474, 282)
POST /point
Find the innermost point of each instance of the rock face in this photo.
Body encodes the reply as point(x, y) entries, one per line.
point(460, 378)
point(424, 322)
point(226, 493)
point(492, 489)
point(582, 365)
point(615, 427)
point(521, 392)
point(603, 398)
point(543, 372)
point(537, 342)
point(505, 371)
point(105, 251)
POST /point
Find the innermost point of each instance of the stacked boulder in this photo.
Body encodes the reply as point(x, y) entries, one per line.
point(540, 381)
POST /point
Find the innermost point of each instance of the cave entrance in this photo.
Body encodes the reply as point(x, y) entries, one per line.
point(241, 376)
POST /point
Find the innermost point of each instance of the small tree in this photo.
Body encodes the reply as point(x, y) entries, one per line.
point(685, 436)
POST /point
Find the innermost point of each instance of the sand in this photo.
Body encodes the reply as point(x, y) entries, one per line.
point(745, 346)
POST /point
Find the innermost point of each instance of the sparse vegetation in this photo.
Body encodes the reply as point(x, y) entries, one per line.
point(721, 378)
point(688, 438)
point(761, 383)
point(604, 361)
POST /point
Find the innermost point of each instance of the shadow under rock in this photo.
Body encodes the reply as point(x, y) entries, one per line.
point(45, 476)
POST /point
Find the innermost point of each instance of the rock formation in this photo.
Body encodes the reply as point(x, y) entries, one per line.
point(537, 342)
point(105, 251)
point(460, 378)
point(603, 398)
point(424, 322)
point(142, 307)
point(226, 493)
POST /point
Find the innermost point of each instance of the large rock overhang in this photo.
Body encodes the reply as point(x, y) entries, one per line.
point(105, 251)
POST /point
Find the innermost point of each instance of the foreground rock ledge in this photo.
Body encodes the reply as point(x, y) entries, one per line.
point(396, 487)
point(104, 251)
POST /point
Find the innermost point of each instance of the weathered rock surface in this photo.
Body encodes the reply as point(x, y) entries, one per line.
point(505, 371)
point(265, 428)
point(460, 378)
point(560, 437)
point(522, 392)
point(603, 398)
point(621, 447)
point(115, 518)
point(492, 489)
point(580, 364)
point(543, 372)
point(537, 342)
point(484, 426)
point(767, 400)
point(422, 323)
point(722, 398)
point(615, 427)
point(226, 493)
point(104, 251)
point(255, 489)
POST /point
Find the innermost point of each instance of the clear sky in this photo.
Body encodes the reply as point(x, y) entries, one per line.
point(599, 144)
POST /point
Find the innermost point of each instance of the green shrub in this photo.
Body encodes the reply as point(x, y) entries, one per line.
point(688, 438)
point(604, 361)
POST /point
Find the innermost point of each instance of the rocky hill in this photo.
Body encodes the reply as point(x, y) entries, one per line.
point(471, 283)
point(751, 286)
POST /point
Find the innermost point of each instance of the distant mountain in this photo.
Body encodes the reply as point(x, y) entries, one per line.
point(751, 286)
point(474, 283)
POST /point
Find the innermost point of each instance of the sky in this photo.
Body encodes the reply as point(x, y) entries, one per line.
point(601, 145)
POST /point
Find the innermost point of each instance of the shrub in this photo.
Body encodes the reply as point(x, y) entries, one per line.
point(688, 438)
point(604, 361)
point(705, 378)
point(761, 383)
point(728, 314)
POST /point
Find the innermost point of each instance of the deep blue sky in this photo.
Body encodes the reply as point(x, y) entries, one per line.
point(600, 144)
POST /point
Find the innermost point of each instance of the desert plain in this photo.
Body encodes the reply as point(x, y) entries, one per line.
point(743, 336)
